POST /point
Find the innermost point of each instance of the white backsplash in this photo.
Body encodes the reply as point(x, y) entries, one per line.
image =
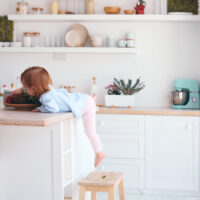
point(168, 50)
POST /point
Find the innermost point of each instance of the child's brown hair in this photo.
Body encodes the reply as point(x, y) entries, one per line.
point(38, 78)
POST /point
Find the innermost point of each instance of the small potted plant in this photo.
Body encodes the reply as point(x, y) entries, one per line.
point(121, 94)
point(140, 7)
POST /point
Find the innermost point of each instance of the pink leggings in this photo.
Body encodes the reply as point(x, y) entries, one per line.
point(89, 122)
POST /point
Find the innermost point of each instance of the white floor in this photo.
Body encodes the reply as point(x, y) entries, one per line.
point(104, 196)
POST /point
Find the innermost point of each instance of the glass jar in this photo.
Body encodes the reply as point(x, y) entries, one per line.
point(37, 11)
point(27, 40)
point(35, 39)
point(22, 8)
point(62, 7)
point(54, 7)
point(89, 7)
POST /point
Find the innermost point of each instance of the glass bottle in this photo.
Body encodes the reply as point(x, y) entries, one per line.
point(93, 89)
point(54, 7)
point(27, 41)
point(89, 6)
point(35, 39)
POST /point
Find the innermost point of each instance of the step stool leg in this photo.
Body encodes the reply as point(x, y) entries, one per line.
point(121, 190)
point(111, 193)
point(94, 195)
point(82, 193)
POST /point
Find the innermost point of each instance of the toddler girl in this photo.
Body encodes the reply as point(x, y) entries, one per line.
point(37, 82)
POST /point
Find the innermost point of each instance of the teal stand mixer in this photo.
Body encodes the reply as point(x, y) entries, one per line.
point(186, 94)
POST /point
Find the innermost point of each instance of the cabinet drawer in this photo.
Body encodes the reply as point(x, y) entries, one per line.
point(133, 171)
point(130, 124)
point(123, 146)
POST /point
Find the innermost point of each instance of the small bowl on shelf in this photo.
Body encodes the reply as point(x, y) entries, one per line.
point(112, 10)
point(129, 12)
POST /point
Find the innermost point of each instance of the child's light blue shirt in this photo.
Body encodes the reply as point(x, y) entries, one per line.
point(59, 100)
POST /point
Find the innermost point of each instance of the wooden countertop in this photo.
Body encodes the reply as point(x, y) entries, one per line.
point(28, 118)
point(149, 111)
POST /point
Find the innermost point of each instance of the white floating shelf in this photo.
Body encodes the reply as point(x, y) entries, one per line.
point(66, 183)
point(70, 50)
point(106, 18)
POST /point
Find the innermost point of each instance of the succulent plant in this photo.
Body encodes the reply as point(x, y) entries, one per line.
point(141, 2)
point(120, 87)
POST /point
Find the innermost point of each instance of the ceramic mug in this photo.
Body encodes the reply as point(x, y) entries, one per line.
point(130, 36)
point(122, 43)
point(130, 43)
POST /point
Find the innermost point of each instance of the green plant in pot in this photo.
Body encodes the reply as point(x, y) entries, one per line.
point(121, 93)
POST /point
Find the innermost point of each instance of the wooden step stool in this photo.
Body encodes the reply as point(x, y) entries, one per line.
point(102, 182)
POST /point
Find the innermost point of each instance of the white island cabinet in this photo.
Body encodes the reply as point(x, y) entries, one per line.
point(158, 150)
point(42, 156)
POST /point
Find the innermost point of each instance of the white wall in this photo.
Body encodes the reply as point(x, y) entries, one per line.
point(169, 50)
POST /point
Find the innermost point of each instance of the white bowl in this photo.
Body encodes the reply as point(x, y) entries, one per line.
point(5, 44)
point(16, 44)
point(96, 41)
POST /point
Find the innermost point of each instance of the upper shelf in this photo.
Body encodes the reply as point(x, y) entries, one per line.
point(106, 18)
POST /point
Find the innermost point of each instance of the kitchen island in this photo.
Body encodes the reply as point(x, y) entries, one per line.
point(42, 155)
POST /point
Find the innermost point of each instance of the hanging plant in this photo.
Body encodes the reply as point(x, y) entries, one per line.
point(6, 29)
point(183, 6)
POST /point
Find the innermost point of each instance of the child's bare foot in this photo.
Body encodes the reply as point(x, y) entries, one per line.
point(99, 157)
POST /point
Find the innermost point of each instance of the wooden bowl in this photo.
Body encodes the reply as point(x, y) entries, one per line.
point(128, 12)
point(112, 10)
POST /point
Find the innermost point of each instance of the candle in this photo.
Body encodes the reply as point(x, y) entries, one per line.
point(89, 6)
point(54, 8)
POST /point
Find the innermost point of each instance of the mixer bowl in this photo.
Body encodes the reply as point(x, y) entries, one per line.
point(179, 97)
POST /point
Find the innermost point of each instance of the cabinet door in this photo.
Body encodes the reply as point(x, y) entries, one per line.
point(172, 152)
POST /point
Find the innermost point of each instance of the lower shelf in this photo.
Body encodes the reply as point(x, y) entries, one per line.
point(81, 50)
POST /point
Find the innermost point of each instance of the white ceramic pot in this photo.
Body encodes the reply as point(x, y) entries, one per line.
point(120, 100)
point(96, 41)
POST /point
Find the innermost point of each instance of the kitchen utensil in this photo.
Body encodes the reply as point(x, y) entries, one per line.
point(112, 10)
point(76, 36)
point(128, 12)
point(186, 94)
point(96, 41)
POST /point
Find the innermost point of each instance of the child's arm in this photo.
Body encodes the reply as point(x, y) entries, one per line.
point(49, 106)
point(18, 91)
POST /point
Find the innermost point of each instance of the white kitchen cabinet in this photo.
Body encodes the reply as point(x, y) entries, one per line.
point(158, 154)
point(43, 162)
point(133, 171)
point(172, 153)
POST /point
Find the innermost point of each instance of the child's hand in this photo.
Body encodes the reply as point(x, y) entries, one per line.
point(36, 110)
point(17, 91)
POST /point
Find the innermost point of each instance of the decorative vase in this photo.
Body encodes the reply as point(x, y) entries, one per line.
point(139, 9)
point(120, 100)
